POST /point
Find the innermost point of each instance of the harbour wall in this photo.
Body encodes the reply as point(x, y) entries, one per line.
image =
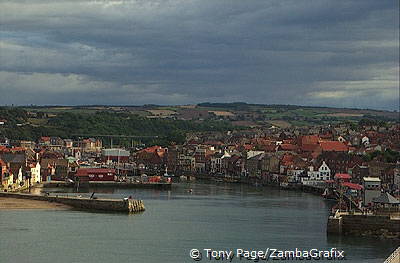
point(106, 205)
point(161, 186)
point(364, 225)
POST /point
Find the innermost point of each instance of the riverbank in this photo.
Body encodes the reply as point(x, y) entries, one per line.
point(7, 203)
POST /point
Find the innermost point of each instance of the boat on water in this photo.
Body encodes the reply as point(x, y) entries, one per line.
point(166, 174)
point(328, 194)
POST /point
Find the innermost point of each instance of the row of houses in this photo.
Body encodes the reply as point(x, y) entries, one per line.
point(291, 156)
point(24, 167)
point(299, 159)
point(17, 171)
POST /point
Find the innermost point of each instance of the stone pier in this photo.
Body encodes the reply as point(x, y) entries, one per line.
point(358, 224)
point(105, 205)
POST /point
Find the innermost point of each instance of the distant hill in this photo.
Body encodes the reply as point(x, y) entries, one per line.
point(71, 122)
point(172, 123)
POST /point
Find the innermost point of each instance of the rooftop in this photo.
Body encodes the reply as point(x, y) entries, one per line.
point(371, 179)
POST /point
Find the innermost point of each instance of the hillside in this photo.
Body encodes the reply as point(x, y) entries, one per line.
point(172, 123)
point(238, 113)
point(20, 124)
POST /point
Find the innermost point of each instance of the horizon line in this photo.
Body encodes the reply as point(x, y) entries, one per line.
point(189, 104)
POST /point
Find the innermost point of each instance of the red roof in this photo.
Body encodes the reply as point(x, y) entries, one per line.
point(309, 139)
point(342, 176)
point(333, 146)
point(248, 147)
point(288, 147)
point(86, 171)
point(287, 158)
point(309, 147)
point(352, 186)
point(290, 141)
point(326, 136)
point(153, 149)
point(12, 150)
point(269, 148)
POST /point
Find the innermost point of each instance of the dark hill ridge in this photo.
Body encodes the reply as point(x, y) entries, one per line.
point(172, 123)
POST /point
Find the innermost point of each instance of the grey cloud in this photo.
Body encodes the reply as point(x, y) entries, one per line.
point(183, 51)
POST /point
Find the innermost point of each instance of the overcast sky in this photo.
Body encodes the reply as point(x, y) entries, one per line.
point(340, 53)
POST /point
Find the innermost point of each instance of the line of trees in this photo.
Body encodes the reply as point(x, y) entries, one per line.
point(67, 125)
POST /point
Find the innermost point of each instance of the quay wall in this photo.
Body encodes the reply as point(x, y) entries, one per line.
point(373, 225)
point(364, 225)
point(334, 225)
point(131, 185)
point(106, 205)
point(121, 185)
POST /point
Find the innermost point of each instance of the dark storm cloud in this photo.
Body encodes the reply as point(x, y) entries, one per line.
point(336, 53)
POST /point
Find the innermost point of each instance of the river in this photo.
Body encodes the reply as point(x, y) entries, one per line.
point(216, 216)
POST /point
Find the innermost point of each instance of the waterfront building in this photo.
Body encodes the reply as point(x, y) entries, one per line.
point(216, 163)
point(372, 189)
point(95, 174)
point(34, 172)
point(56, 168)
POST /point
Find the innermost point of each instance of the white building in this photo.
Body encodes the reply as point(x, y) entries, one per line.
point(365, 140)
point(293, 175)
point(325, 172)
point(322, 174)
point(216, 163)
point(18, 177)
point(35, 173)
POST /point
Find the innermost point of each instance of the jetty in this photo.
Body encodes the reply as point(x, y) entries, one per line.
point(87, 204)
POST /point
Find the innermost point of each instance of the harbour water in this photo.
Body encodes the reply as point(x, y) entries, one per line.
point(216, 216)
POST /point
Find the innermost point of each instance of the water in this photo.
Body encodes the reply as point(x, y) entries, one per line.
point(223, 216)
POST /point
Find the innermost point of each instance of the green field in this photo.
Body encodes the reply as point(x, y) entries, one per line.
point(290, 114)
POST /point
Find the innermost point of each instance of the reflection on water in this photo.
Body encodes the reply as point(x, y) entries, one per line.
point(219, 216)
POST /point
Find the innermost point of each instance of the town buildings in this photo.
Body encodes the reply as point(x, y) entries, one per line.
point(273, 156)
